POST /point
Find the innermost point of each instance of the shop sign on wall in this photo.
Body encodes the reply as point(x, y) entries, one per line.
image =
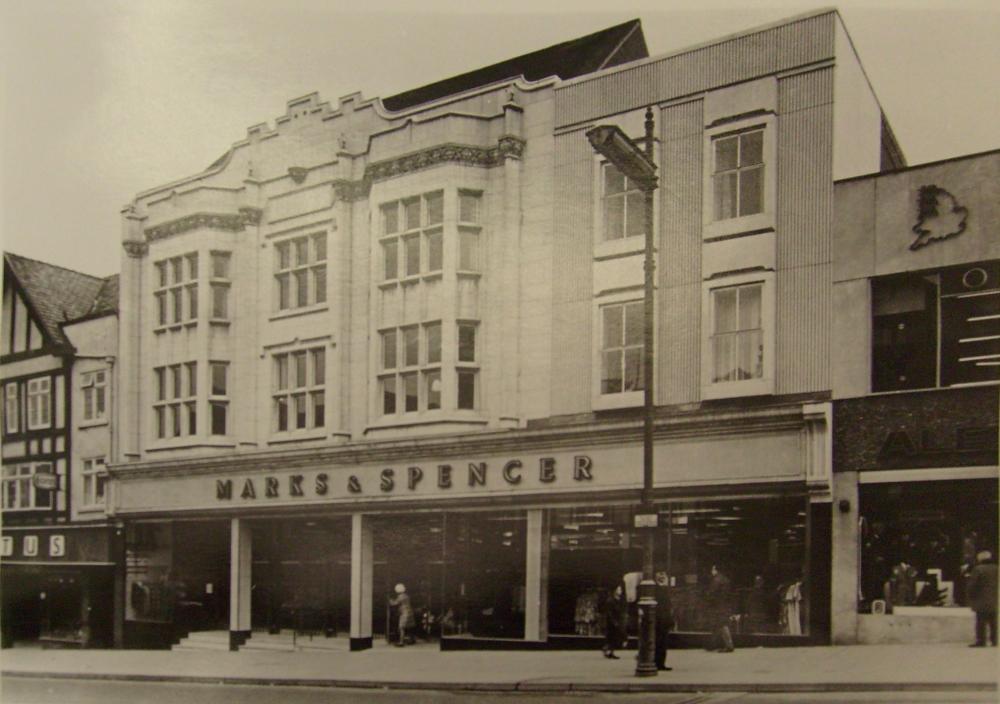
point(940, 428)
point(939, 216)
point(400, 479)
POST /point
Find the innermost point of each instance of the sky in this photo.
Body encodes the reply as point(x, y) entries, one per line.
point(102, 99)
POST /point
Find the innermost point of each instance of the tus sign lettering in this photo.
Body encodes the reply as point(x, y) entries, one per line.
point(441, 477)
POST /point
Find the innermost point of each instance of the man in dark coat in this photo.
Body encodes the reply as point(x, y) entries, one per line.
point(615, 622)
point(664, 619)
point(981, 593)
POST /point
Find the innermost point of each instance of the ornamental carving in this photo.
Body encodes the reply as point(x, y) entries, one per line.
point(229, 222)
point(511, 146)
point(135, 249)
point(486, 157)
point(297, 173)
point(351, 191)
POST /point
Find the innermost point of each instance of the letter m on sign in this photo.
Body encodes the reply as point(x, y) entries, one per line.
point(223, 489)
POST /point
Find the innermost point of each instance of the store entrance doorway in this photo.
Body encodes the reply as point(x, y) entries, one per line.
point(301, 575)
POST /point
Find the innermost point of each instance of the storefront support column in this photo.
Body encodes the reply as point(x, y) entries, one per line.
point(240, 562)
point(536, 594)
point(845, 560)
point(362, 565)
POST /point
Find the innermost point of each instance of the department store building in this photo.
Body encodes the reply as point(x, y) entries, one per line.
point(400, 340)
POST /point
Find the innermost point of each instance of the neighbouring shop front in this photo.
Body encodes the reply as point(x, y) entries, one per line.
point(922, 470)
point(509, 550)
point(57, 584)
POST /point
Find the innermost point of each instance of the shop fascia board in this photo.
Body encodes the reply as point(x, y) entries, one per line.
point(708, 426)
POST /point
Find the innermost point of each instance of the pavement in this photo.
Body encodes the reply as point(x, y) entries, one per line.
point(857, 668)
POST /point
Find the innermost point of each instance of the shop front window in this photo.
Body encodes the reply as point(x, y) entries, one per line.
point(464, 574)
point(919, 541)
point(591, 549)
point(178, 573)
point(757, 547)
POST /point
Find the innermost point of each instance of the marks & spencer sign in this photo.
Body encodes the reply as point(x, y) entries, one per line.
point(441, 478)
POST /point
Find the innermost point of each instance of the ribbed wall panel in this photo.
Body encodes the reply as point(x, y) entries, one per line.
point(679, 262)
point(804, 231)
point(572, 274)
point(804, 320)
point(738, 59)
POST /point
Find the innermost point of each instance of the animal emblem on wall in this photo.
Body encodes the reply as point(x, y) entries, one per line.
point(939, 216)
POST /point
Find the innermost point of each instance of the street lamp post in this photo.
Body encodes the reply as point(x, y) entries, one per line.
point(639, 166)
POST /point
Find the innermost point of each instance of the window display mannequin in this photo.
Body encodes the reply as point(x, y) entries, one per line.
point(900, 590)
point(791, 602)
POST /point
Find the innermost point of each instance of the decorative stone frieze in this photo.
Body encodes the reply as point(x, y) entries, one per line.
point(230, 222)
point(464, 154)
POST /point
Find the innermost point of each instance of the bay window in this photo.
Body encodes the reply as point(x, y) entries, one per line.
point(411, 231)
point(175, 401)
point(218, 400)
point(219, 285)
point(299, 395)
point(176, 290)
point(410, 377)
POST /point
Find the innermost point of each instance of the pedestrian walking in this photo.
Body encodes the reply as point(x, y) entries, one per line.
point(615, 622)
point(720, 610)
point(664, 619)
point(981, 593)
point(404, 614)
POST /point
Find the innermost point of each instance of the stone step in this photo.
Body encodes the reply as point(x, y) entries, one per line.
point(200, 646)
point(273, 647)
point(208, 636)
point(286, 641)
point(204, 640)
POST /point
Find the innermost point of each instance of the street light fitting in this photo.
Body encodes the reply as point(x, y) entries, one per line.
point(618, 148)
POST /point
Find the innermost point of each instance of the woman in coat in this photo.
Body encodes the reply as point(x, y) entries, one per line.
point(615, 622)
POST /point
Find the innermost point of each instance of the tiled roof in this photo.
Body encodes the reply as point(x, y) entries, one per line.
point(608, 47)
point(107, 298)
point(59, 295)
